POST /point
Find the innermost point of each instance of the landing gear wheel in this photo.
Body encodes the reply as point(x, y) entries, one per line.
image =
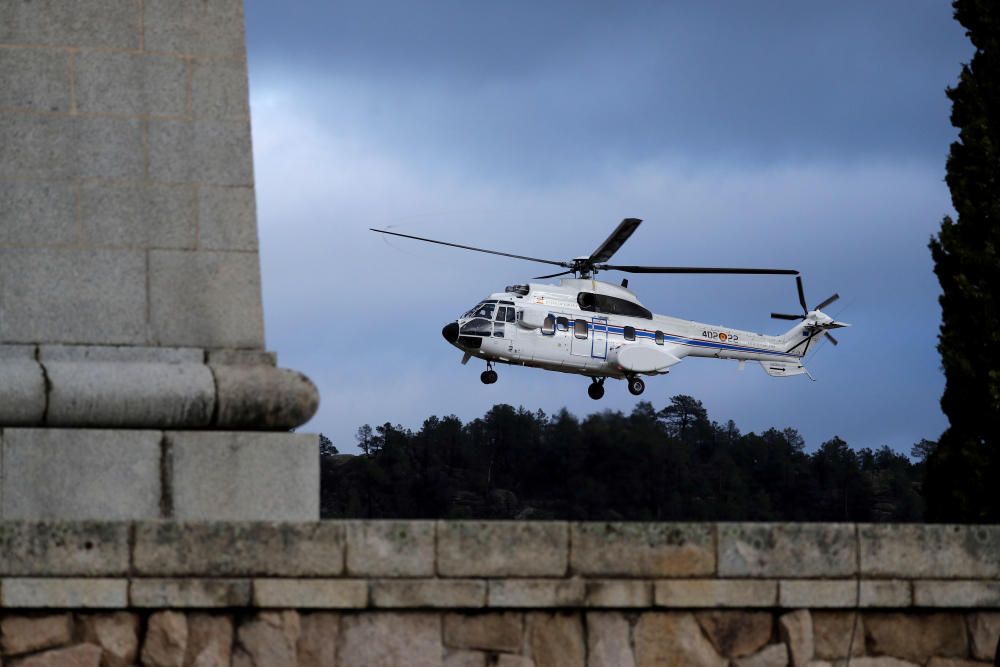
point(636, 386)
point(596, 390)
point(489, 377)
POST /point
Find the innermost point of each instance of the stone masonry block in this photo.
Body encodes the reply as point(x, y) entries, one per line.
point(242, 476)
point(984, 633)
point(26, 634)
point(541, 593)
point(262, 398)
point(418, 593)
point(930, 551)
point(983, 594)
point(804, 593)
point(64, 147)
point(227, 218)
point(915, 637)
point(241, 357)
point(206, 299)
point(219, 90)
point(18, 593)
point(138, 215)
point(36, 79)
point(193, 27)
point(237, 549)
point(390, 548)
point(707, 593)
point(619, 593)
point(390, 639)
point(310, 593)
point(609, 642)
point(120, 354)
point(502, 548)
point(135, 84)
point(18, 352)
point(82, 23)
point(22, 394)
point(37, 214)
point(489, 632)
point(129, 395)
point(819, 594)
point(81, 474)
point(200, 151)
point(72, 296)
point(642, 549)
point(197, 593)
point(786, 550)
point(64, 548)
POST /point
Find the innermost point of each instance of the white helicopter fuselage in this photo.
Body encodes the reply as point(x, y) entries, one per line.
point(598, 329)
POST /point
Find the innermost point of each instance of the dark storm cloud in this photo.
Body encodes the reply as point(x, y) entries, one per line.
point(792, 134)
point(530, 88)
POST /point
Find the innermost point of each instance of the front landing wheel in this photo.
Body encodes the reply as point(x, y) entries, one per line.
point(636, 386)
point(489, 377)
point(596, 390)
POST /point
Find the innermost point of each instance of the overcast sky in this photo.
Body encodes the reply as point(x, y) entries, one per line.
point(802, 135)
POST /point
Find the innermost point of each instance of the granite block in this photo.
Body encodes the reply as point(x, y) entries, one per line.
point(135, 84)
point(206, 299)
point(238, 549)
point(138, 215)
point(242, 476)
point(82, 474)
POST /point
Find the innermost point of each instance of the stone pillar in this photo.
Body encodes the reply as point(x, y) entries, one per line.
point(134, 378)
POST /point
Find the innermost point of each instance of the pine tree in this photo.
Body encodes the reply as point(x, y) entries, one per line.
point(964, 469)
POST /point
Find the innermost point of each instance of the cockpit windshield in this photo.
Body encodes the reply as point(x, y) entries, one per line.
point(484, 309)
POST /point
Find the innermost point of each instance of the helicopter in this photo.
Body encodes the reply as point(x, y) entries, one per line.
point(600, 330)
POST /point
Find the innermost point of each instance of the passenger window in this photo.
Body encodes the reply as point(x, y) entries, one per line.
point(549, 326)
point(659, 338)
point(580, 329)
point(629, 333)
point(562, 324)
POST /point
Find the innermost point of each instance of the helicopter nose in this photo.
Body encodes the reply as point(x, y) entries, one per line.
point(450, 332)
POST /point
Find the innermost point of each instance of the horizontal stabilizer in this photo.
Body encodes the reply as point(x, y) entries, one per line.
point(783, 368)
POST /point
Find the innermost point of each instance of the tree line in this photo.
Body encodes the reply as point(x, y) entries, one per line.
point(671, 464)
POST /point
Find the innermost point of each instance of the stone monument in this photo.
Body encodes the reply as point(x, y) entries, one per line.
point(134, 379)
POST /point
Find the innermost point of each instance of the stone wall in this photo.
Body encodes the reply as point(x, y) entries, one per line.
point(498, 593)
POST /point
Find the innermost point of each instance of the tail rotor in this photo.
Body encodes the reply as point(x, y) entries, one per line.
point(820, 321)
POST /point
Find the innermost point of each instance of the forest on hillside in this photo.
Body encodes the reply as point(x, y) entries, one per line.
point(672, 463)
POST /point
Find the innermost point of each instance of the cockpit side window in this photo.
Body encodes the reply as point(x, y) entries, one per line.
point(485, 310)
point(510, 314)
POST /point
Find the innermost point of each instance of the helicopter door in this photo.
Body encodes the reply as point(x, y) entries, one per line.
point(580, 343)
point(599, 348)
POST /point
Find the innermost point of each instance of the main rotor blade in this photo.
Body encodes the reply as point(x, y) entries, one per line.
point(827, 302)
point(552, 275)
point(695, 269)
point(617, 239)
point(802, 294)
point(783, 316)
point(832, 339)
point(469, 247)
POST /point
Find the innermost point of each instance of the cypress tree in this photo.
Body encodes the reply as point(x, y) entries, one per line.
point(963, 471)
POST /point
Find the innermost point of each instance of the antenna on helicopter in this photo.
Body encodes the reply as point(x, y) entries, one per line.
point(586, 267)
